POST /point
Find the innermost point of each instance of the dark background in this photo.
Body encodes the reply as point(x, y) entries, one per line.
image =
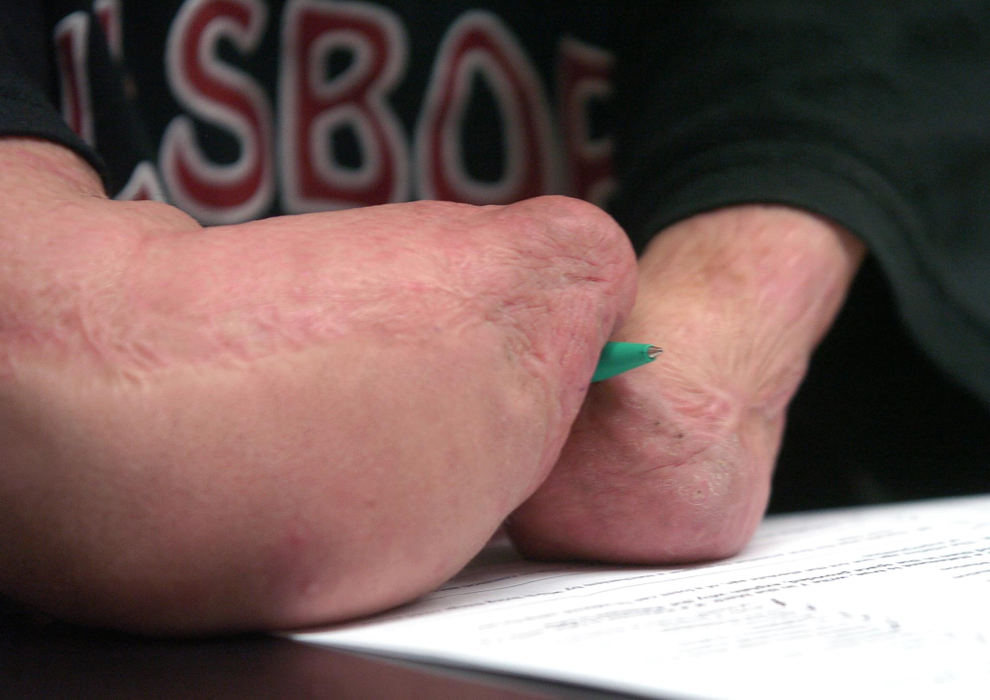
point(875, 420)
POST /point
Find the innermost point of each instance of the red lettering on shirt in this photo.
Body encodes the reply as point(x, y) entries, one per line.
point(108, 14)
point(583, 76)
point(72, 55)
point(225, 97)
point(340, 143)
point(314, 106)
point(480, 45)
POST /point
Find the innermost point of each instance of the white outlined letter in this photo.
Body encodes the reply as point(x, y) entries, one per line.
point(226, 98)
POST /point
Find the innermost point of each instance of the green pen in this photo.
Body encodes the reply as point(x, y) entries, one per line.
point(617, 358)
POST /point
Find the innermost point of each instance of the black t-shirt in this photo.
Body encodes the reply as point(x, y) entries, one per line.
point(873, 114)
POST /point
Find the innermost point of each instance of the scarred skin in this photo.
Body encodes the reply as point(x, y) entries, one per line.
point(672, 462)
point(309, 418)
point(284, 422)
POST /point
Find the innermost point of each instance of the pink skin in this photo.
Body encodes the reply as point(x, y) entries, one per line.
point(309, 418)
point(285, 422)
point(672, 462)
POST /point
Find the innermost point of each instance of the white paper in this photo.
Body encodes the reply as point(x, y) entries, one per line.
point(888, 601)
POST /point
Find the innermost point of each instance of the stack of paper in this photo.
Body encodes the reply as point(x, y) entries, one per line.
point(889, 601)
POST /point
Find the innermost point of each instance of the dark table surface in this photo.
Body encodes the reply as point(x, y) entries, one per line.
point(40, 659)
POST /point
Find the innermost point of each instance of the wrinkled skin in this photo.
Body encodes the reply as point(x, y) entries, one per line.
point(308, 418)
point(283, 422)
point(672, 462)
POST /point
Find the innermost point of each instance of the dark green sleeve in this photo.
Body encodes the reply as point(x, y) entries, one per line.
point(27, 80)
point(875, 114)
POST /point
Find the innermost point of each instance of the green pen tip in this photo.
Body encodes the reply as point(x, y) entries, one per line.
point(617, 358)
